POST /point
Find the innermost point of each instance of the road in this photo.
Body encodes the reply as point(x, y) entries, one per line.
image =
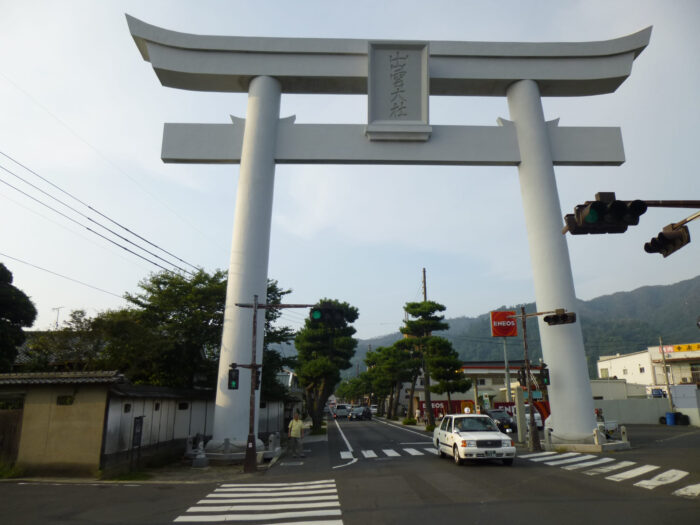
point(375, 472)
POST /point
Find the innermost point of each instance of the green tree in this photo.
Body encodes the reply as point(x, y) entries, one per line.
point(419, 331)
point(16, 311)
point(74, 347)
point(446, 369)
point(324, 348)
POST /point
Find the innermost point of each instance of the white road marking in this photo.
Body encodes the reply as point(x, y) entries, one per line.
point(282, 485)
point(346, 454)
point(635, 472)
point(576, 459)
point(560, 456)
point(587, 464)
point(369, 454)
point(670, 476)
point(259, 488)
point(432, 450)
point(691, 491)
point(413, 452)
point(609, 468)
point(264, 506)
point(390, 452)
point(537, 454)
point(286, 493)
point(295, 499)
point(258, 517)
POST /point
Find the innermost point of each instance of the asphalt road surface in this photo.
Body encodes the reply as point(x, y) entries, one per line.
point(374, 472)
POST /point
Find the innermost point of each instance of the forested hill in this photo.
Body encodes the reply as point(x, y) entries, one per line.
point(622, 322)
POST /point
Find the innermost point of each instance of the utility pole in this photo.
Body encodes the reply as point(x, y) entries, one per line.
point(668, 385)
point(58, 311)
point(505, 359)
point(425, 287)
point(426, 376)
point(250, 461)
point(533, 440)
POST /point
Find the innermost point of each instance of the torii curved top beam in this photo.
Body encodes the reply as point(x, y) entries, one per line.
point(340, 66)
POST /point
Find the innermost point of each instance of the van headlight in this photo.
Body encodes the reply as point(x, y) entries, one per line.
point(507, 443)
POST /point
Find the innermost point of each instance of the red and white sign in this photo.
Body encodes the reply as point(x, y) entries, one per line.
point(502, 325)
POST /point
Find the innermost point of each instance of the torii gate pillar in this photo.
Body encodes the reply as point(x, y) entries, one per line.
point(562, 346)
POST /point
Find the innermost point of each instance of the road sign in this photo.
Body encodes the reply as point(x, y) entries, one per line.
point(503, 324)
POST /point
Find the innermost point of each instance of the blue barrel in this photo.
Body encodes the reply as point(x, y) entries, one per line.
point(670, 418)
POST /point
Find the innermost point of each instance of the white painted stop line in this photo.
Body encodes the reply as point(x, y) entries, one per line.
point(691, 491)
point(635, 472)
point(670, 476)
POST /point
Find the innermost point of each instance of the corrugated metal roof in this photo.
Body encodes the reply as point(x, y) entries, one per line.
point(66, 378)
point(160, 392)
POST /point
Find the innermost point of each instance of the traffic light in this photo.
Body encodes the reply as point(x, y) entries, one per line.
point(560, 317)
point(544, 374)
point(233, 377)
point(326, 314)
point(604, 215)
point(668, 241)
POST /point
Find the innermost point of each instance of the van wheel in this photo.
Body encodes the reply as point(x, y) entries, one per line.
point(455, 456)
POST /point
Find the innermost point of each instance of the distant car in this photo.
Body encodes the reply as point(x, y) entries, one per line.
point(360, 413)
point(503, 419)
point(538, 417)
point(341, 411)
point(373, 409)
point(472, 436)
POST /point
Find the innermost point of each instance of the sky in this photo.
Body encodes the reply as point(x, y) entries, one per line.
point(81, 109)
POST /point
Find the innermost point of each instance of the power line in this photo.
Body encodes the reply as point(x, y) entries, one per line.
point(88, 229)
point(92, 220)
point(59, 275)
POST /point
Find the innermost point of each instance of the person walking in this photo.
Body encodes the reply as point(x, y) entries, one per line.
point(295, 433)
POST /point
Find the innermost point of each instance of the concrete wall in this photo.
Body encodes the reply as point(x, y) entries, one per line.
point(627, 411)
point(62, 438)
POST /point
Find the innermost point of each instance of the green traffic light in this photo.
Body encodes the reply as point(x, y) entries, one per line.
point(316, 314)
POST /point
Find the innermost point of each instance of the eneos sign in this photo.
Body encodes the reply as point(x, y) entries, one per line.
point(502, 325)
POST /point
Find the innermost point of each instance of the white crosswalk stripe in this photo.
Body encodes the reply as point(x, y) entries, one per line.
point(607, 465)
point(314, 503)
point(391, 452)
point(413, 452)
point(369, 454)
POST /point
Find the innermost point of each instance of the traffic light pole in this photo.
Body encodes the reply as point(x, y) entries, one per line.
point(250, 461)
point(533, 440)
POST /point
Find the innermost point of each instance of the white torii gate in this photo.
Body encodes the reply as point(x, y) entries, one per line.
point(398, 77)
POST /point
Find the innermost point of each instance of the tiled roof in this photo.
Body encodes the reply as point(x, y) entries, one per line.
point(54, 378)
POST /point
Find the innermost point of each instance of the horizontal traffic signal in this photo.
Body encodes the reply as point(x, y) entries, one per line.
point(604, 215)
point(326, 314)
point(668, 241)
point(560, 318)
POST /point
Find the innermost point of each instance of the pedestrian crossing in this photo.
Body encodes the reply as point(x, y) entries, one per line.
point(313, 502)
point(388, 453)
point(616, 471)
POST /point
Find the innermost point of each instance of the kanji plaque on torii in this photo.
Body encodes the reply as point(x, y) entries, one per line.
point(398, 77)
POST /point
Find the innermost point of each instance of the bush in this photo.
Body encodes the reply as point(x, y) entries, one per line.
point(409, 421)
point(9, 471)
point(429, 428)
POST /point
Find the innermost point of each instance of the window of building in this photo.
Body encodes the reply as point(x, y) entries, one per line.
point(624, 371)
point(641, 369)
point(481, 381)
point(604, 373)
point(183, 406)
point(65, 400)
point(127, 408)
point(156, 407)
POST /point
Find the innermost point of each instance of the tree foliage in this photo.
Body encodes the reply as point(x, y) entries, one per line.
point(16, 312)
point(324, 348)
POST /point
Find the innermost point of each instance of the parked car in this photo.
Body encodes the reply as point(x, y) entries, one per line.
point(503, 419)
point(360, 413)
point(472, 436)
point(373, 409)
point(341, 411)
